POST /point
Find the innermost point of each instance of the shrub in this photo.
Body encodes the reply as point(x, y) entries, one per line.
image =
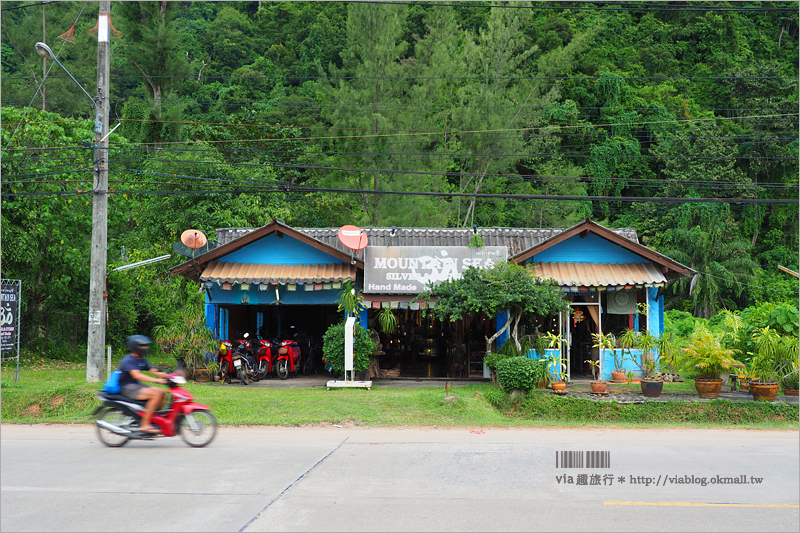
point(333, 347)
point(519, 373)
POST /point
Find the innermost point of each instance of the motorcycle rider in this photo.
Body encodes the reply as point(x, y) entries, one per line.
point(133, 367)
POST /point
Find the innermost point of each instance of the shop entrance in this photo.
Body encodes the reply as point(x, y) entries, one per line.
point(581, 324)
point(424, 347)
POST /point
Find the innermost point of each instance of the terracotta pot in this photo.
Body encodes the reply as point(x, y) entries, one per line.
point(598, 386)
point(744, 385)
point(652, 388)
point(202, 374)
point(764, 391)
point(790, 392)
point(708, 388)
point(559, 386)
point(618, 376)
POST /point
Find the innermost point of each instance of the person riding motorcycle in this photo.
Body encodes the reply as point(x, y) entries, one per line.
point(132, 369)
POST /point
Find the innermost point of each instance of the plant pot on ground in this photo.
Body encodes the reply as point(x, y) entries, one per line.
point(764, 391)
point(598, 386)
point(774, 365)
point(652, 387)
point(706, 353)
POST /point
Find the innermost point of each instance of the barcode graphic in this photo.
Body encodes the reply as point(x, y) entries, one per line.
point(584, 459)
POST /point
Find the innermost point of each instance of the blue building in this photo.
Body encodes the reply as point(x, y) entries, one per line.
point(276, 281)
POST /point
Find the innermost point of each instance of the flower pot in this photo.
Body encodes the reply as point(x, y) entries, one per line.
point(744, 385)
point(652, 388)
point(708, 388)
point(764, 391)
point(790, 392)
point(202, 374)
point(598, 386)
point(559, 386)
point(618, 377)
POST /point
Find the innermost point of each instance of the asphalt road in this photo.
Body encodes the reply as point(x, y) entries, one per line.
point(61, 478)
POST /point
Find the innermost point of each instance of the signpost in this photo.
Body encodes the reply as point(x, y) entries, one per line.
point(348, 360)
point(9, 320)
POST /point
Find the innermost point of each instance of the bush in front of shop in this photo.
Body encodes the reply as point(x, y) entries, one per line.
point(519, 373)
point(333, 347)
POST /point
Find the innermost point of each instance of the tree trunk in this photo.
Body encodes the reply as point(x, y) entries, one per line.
point(490, 340)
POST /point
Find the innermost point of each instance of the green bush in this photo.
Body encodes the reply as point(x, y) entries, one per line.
point(519, 373)
point(333, 347)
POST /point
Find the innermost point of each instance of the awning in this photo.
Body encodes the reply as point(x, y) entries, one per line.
point(222, 272)
point(593, 276)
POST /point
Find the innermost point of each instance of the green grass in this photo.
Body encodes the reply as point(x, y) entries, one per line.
point(58, 393)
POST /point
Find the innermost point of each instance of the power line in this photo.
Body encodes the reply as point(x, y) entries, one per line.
point(646, 7)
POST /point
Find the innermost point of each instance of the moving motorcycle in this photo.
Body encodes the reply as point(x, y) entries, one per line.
point(119, 417)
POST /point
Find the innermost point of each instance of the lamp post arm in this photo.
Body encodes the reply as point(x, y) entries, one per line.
point(98, 125)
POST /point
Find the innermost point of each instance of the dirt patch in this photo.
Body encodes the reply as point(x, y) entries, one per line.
point(55, 401)
point(33, 409)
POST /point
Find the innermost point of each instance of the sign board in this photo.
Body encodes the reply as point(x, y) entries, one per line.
point(9, 318)
point(353, 237)
point(348, 343)
point(409, 269)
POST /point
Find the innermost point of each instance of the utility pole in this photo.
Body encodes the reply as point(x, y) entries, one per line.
point(96, 340)
point(44, 59)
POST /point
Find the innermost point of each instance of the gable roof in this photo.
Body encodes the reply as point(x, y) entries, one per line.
point(516, 239)
point(194, 267)
point(668, 266)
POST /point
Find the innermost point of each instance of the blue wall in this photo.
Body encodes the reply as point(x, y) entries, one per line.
point(273, 250)
point(258, 297)
point(655, 308)
point(627, 364)
point(590, 249)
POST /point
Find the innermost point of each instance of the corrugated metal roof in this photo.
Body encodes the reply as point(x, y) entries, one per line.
point(516, 239)
point(601, 275)
point(252, 273)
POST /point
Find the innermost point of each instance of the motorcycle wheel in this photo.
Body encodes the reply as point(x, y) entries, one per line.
point(263, 369)
point(242, 376)
point(308, 366)
point(198, 428)
point(117, 418)
point(282, 369)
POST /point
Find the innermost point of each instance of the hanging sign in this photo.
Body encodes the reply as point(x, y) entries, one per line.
point(409, 269)
point(9, 298)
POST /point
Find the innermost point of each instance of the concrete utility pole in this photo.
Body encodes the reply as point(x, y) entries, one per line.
point(96, 340)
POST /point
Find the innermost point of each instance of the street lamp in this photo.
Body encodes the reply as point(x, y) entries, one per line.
point(44, 51)
point(96, 337)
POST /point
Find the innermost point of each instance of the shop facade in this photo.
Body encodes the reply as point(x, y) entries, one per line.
point(277, 281)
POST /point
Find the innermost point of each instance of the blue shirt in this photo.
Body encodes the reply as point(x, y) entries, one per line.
point(128, 363)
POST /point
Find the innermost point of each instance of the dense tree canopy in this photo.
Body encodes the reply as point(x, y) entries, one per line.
point(236, 112)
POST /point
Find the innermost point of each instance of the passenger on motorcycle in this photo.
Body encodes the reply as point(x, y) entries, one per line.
point(132, 369)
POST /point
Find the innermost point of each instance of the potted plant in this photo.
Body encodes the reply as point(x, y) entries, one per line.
point(189, 339)
point(597, 385)
point(790, 383)
point(775, 359)
point(706, 353)
point(556, 367)
point(607, 341)
point(651, 380)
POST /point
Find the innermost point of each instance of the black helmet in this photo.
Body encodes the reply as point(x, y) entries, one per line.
point(138, 344)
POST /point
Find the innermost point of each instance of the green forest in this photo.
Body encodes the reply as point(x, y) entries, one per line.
point(320, 114)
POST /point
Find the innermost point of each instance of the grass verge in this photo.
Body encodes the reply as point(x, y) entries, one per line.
point(48, 393)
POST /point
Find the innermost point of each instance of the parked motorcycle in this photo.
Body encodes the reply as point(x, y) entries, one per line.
point(119, 417)
point(226, 368)
point(289, 355)
point(244, 362)
point(264, 355)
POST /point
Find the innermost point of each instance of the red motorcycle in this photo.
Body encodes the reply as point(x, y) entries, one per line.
point(119, 417)
point(225, 358)
point(289, 355)
point(264, 356)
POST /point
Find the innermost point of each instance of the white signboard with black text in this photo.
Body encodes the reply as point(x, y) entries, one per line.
point(409, 269)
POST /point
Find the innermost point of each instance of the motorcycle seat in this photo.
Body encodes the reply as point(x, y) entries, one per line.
point(122, 397)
